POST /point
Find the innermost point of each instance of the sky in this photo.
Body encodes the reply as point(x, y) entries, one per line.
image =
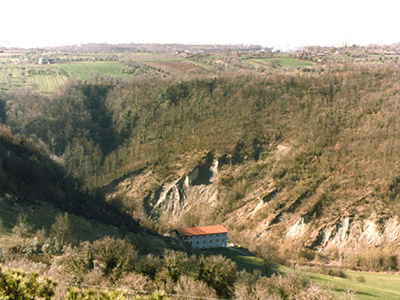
point(278, 23)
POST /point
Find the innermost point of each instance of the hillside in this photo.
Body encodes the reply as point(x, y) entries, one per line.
point(302, 163)
point(37, 189)
point(29, 177)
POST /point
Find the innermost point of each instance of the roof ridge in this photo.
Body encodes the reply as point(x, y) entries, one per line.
point(202, 230)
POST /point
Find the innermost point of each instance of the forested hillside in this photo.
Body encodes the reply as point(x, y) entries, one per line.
point(295, 155)
point(30, 177)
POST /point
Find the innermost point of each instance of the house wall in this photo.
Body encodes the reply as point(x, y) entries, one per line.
point(207, 240)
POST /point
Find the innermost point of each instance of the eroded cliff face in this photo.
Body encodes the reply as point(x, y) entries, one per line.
point(259, 209)
point(348, 232)
point(187, 193)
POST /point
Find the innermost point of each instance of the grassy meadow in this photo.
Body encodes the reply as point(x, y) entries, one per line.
point(363, 285)
point(88, 70)
point(376, 285)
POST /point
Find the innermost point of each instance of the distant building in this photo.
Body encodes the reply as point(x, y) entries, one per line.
point(42, 61)
point(204, 237)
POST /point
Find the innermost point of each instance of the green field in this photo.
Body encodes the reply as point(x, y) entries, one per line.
point(286, 62)
point(47, 78)
point(376, 286)
point(88, 70)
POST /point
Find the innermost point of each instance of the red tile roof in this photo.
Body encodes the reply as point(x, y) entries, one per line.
point(201, 230)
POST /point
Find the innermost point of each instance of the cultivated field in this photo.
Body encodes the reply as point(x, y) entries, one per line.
point(89, 70)
point(23, 70)
point(286, 62)
point(37, 77)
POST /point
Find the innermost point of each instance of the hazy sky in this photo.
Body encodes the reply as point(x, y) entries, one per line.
point(29, 23)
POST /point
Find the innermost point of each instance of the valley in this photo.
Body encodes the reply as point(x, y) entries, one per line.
point(109, 148)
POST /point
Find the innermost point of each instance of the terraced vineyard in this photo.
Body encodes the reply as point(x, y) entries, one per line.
point(37, 77)
point(47, 78)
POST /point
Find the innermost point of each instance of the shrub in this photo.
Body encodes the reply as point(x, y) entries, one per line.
point(288, 286)
point(22, 228)
point(137, 282)
point(361, 278)
point(159, 295)
point(113, 256)
point(259, 290)
point(90, 294)
point(333, 272)
point(292, 286)
point(316, 291)
point(17, 285)
point(62, 229)
point(219, 273)
point(51, 246)
point(188, 286)
point(174, 262)
point(374, 259)
point(149, 266)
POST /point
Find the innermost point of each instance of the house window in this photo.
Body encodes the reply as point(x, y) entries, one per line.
point(197, 242)
point(204, 242)
point(217, 241)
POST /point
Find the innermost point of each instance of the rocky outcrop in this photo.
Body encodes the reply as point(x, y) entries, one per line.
point(349, 232)
point(264, 211)
point(186, 193)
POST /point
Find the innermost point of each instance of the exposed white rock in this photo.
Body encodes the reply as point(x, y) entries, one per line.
point(258, 207)
point(370, 234)
point(392, 230)
point(297, 230)
point(179, 196)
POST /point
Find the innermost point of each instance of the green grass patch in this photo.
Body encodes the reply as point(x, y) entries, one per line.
point(376, 285)
point(286, 62)
point(43, 216)
point(244, 259)
point(89, 70)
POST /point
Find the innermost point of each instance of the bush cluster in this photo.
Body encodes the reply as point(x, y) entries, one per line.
point(18, 285)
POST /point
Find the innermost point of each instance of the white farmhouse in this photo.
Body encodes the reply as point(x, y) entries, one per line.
point(203, 237)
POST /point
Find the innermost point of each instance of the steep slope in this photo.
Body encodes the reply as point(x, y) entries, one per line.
point(315, 167)
point(28, 177)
